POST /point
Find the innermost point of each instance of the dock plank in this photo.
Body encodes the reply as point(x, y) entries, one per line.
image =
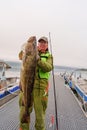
point(70, 116)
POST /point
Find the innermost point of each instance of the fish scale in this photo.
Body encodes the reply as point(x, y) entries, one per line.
point(27, 74)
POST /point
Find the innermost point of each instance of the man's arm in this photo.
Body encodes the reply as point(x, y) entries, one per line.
point(47, 65)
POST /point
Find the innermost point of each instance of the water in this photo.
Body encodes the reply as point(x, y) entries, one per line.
point(76, 71)
point(15, 70)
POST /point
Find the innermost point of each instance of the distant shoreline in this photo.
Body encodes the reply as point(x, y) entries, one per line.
point(55, 66)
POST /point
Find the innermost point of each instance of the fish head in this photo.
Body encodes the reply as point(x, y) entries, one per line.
point(31, 45)
point(32, 39)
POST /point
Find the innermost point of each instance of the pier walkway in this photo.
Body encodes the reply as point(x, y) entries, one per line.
point(70, 115)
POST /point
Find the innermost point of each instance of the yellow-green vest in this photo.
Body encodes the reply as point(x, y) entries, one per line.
point(42, 74)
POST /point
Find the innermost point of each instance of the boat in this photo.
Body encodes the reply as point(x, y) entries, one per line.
point(81, 89)
point(79, 86)
point(9, 86)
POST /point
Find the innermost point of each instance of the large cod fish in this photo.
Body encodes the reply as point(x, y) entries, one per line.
point(27, 74)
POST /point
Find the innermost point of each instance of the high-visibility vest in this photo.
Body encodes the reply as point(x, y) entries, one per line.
point(42, 74)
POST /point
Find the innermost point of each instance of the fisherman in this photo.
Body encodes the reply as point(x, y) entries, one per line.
point(41, 85)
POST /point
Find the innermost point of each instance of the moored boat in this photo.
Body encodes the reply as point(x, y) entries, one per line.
point(8, 85)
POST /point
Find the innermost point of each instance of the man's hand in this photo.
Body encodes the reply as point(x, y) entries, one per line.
point(37, 56)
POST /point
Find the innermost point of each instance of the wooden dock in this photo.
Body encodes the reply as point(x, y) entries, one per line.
point(70, 115)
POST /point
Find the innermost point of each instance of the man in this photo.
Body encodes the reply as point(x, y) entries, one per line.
point(41, 85)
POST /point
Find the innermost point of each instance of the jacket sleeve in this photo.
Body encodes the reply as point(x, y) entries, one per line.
point(47, 65)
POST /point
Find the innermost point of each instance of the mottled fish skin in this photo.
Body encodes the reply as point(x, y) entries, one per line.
point(27, 74)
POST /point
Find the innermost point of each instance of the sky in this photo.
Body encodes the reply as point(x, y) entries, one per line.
point(66, 20)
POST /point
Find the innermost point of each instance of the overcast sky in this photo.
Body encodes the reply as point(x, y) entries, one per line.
point(66, 20)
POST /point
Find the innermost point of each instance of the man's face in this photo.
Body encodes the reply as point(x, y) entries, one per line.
point(42, 46)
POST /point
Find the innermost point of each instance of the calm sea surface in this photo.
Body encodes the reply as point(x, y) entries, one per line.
point(15, 70)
